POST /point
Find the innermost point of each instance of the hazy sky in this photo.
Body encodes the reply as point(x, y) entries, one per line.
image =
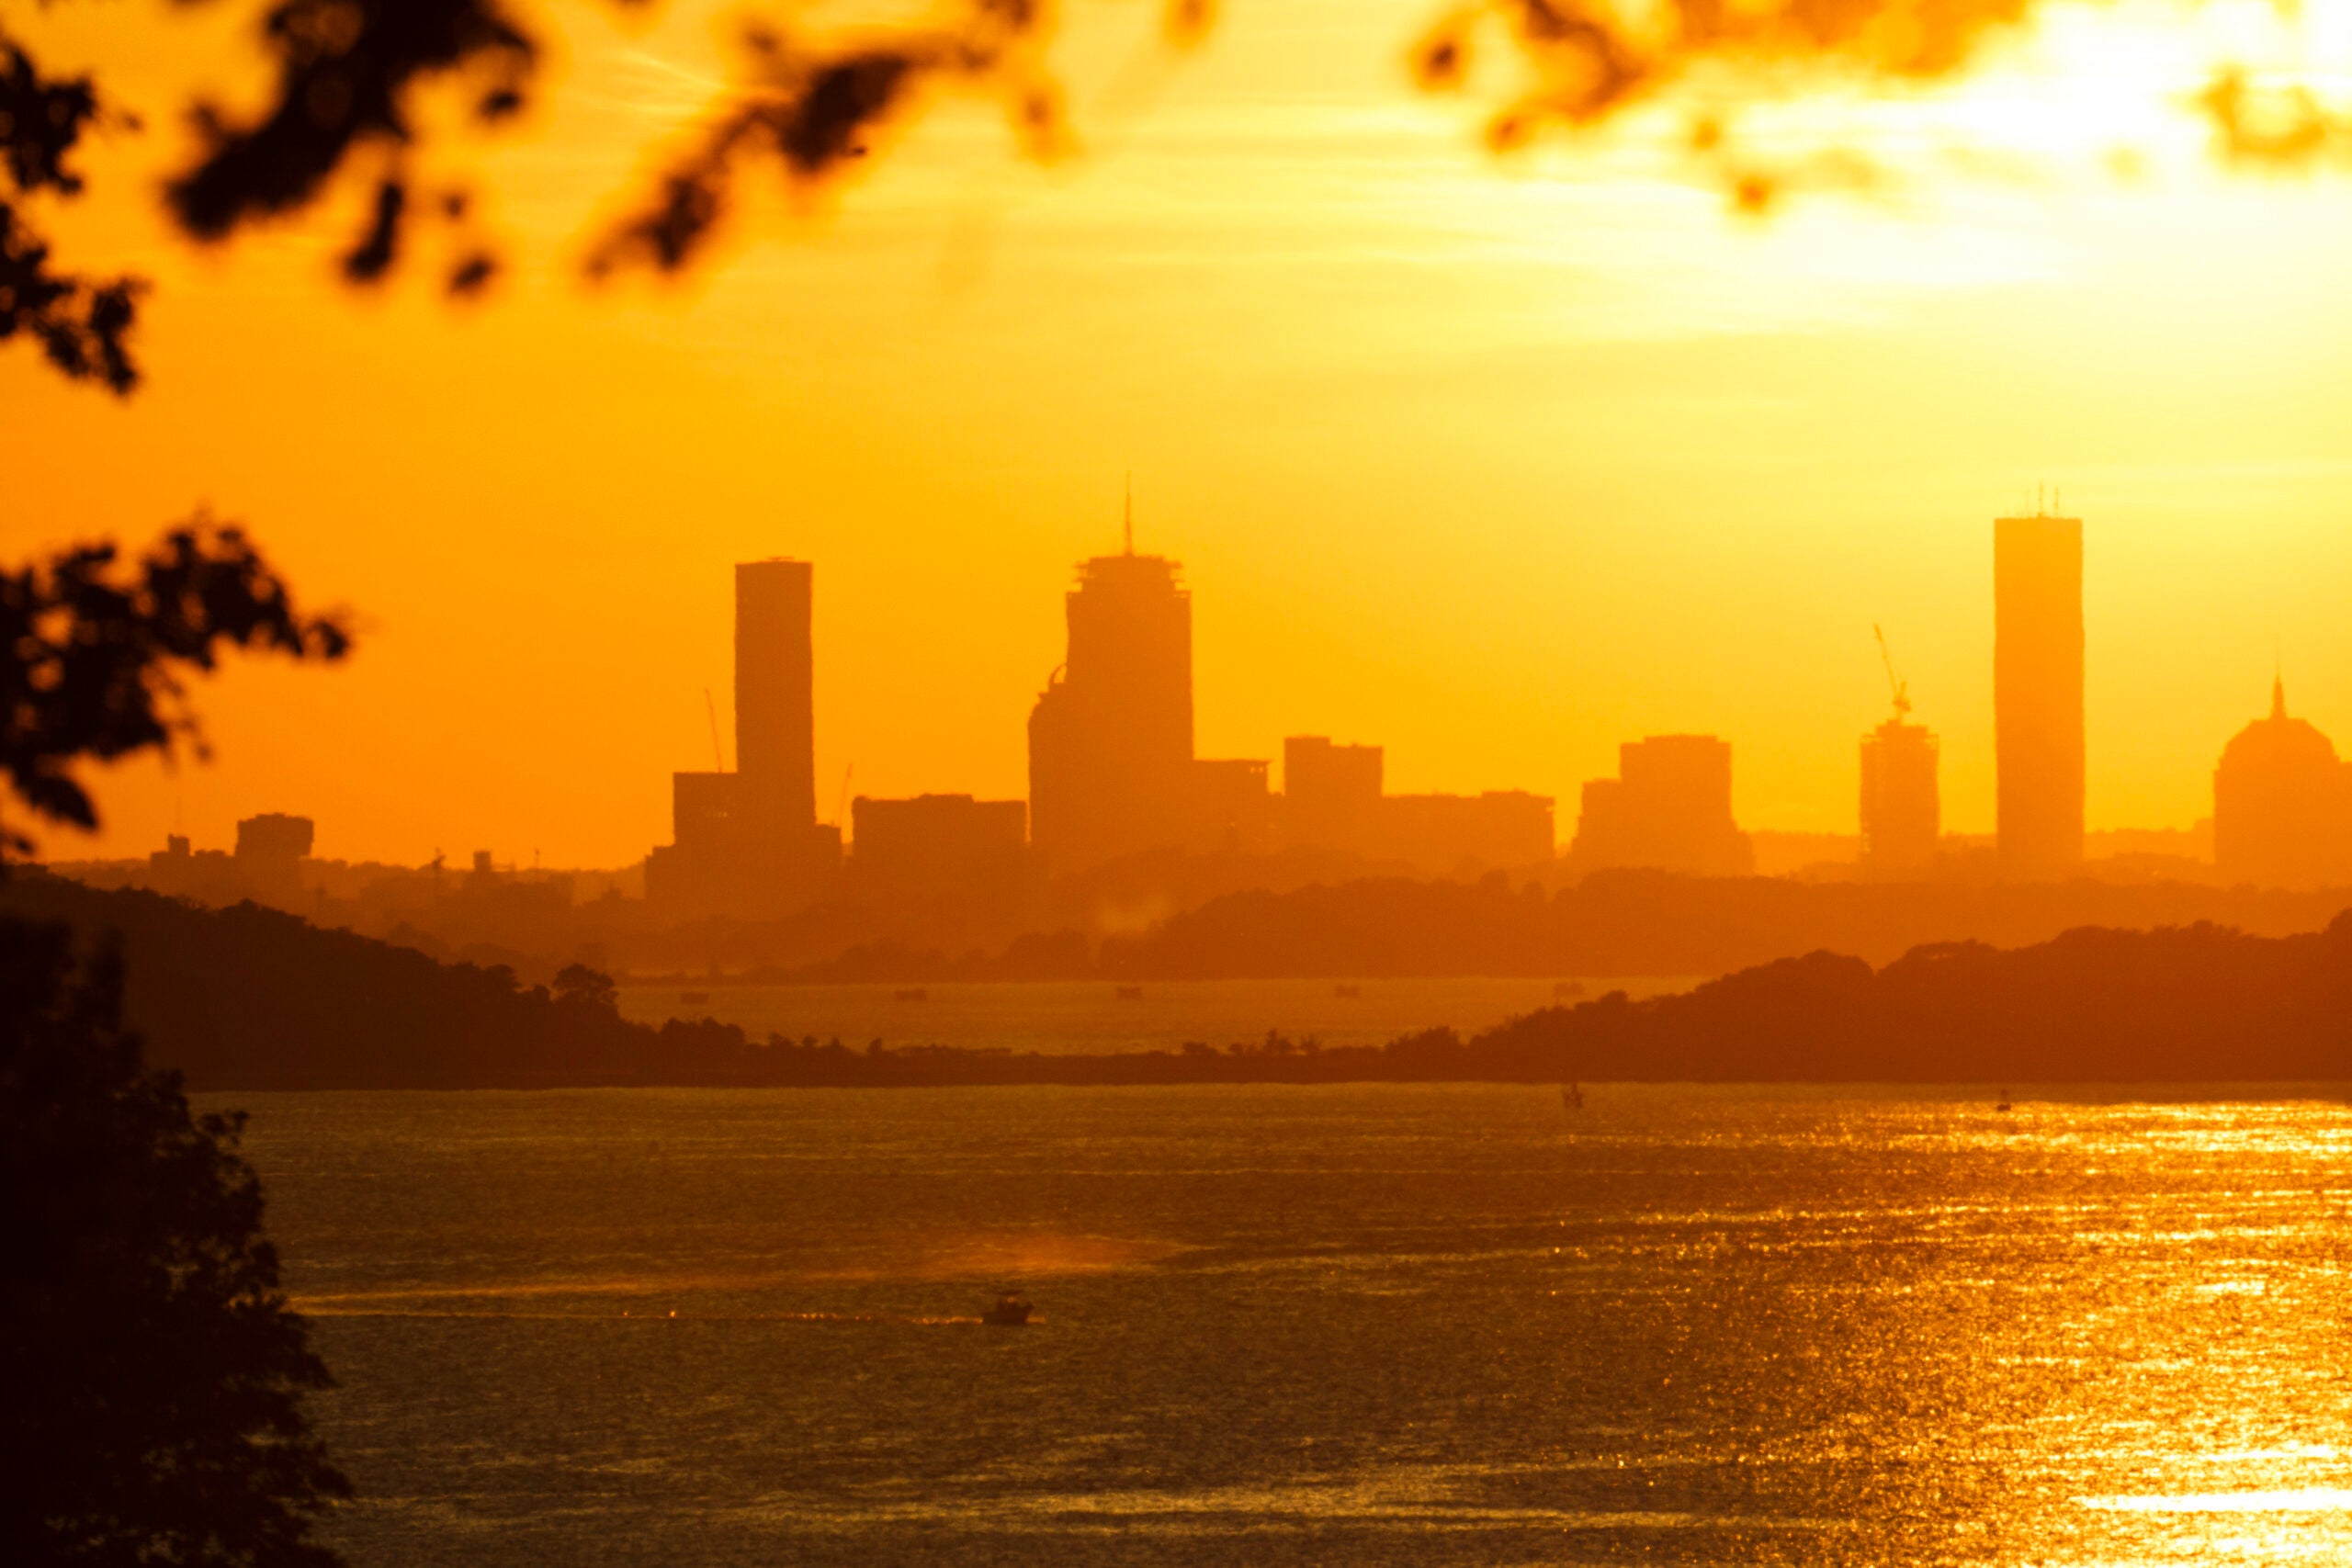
point(1494, 464)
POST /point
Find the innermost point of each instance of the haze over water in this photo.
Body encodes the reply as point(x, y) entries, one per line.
point(1333, 1325)
point(1053, 1017)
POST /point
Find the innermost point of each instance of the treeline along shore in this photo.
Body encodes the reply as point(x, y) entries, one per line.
point(254, 999)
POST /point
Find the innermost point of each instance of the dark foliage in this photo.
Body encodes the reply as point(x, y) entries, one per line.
point(82, 323)
point(2199, 1004)
point(1640, 922)
point(92, 654)
point(578, 986)
point(154, 1376)
point(347, 72)
point(810, 110)
point(250, 999)
point(809, 105)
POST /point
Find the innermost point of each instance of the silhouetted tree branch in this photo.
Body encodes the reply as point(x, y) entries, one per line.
point(82, 323)
point(153, 1373)
point(347, 72)
point(808, 104)
point(95, 654)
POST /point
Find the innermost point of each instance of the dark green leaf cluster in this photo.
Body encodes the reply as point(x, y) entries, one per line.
point(91, 654)
point(153, 1373)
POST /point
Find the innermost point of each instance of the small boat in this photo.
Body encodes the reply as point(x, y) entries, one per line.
point(1131, 993)
point(914, 994)
point(1010, 1312)
point(694, 995)
point(1572, 1098)
point(1347, 990)
point(2004, 1107)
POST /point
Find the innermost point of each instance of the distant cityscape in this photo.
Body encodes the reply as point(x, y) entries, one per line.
point(1112, 772)
point(1124, 819)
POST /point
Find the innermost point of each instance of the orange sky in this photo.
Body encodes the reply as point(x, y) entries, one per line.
point(1496, 465)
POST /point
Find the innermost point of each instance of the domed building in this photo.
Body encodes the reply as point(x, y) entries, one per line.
point(2282, 804)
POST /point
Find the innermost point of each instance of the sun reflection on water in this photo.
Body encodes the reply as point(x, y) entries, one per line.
point(1305, 1327)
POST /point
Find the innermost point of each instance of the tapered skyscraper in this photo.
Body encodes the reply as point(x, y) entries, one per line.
point(1111, 767)
point(2037, 693)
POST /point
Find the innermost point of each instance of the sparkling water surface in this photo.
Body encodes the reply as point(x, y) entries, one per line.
point(1355, 1325)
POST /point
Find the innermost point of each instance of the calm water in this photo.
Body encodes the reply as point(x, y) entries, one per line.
point(1346, 1325)
point(1057, 1016)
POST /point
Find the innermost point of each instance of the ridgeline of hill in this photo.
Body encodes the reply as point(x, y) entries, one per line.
point(250, 998)
point(1653, 922)
point(1611, 922)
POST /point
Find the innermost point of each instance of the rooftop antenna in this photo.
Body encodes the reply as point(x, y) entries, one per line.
point(1131, 511)
point(711, 705)
point(1901, 688)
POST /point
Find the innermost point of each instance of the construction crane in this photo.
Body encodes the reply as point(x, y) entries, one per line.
point(1901, 688)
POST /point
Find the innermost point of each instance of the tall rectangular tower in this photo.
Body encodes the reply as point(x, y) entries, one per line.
point(775, 725)
point(2037, 693)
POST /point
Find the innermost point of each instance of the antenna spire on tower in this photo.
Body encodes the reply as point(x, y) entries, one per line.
point(1131, 511)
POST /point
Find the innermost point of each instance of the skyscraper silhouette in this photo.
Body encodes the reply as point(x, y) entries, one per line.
point(1332, 795)
point(1668, 809)
point(775, 723)
point(2037, 693)
point(1111, 738)
point(747, 842)
point(1902, 811)
point(270, 849)
point(930, 845)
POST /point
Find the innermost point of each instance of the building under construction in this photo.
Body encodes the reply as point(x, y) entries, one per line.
point(1902, 808)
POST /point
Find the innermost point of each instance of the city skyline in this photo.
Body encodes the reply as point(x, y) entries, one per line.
point(1306, 784)
point(1679, 465)
point(1112, 751)
point(788, 690)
